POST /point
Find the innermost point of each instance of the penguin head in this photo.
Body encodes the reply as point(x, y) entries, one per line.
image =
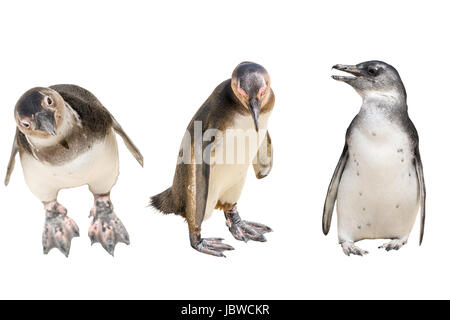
point(39, 112)
point(251, 85)
point(372, 77)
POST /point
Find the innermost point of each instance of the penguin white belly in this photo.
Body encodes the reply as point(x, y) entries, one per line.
point(231, 160)
point(378, 194)
point(98, 167)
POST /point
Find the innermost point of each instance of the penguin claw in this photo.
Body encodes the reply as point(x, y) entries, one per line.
point(349, 248)
point(59, 230)
point(259, 226)
point(395, 244)
point(212, 246)
point(246, 230)
point(106, 228)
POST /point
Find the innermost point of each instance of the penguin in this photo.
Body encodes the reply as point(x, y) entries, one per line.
point(66, 138)
point(378, 183)
point(212, 168)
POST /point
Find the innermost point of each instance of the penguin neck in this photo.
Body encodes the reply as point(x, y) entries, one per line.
point(384, 99)
point(70, 120)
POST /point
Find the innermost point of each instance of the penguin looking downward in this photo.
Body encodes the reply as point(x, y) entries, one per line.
point(66, 138)
point(238, 108)
point(378, 184)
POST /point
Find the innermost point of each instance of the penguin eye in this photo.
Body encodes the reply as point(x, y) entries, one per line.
point(25, 124)
point(372, 71)
point(243, 93)
point(48, 101)
point(261, 93)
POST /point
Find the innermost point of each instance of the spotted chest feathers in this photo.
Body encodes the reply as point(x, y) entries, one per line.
point(378, 192)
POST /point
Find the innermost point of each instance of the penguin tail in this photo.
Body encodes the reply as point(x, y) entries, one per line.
point(163, 202)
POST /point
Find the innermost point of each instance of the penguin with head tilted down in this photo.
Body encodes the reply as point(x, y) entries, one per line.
point(226, 135)
point(66, 138)
point(378, 184)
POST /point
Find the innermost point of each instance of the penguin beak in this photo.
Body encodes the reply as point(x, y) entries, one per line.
point(349, 69)
point(255, 108)
point(45, 121)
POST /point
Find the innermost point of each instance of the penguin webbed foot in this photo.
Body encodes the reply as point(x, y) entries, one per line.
point(395, 244)
point(349, 248)
point(106, 228)
point(59, 229)
point(245, 230)
point(211, 246)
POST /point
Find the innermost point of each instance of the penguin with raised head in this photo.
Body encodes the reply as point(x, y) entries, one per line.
point(212, 166)
point(378, 184)
point(66, 138)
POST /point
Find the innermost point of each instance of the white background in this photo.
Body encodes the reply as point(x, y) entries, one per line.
point(152, 64)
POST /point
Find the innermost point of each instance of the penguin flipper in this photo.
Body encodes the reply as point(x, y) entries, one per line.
point(333, 190)
point(198, 173)
point(126, 139)
point(263, 162)
point(422, 190)
point(12, 159)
